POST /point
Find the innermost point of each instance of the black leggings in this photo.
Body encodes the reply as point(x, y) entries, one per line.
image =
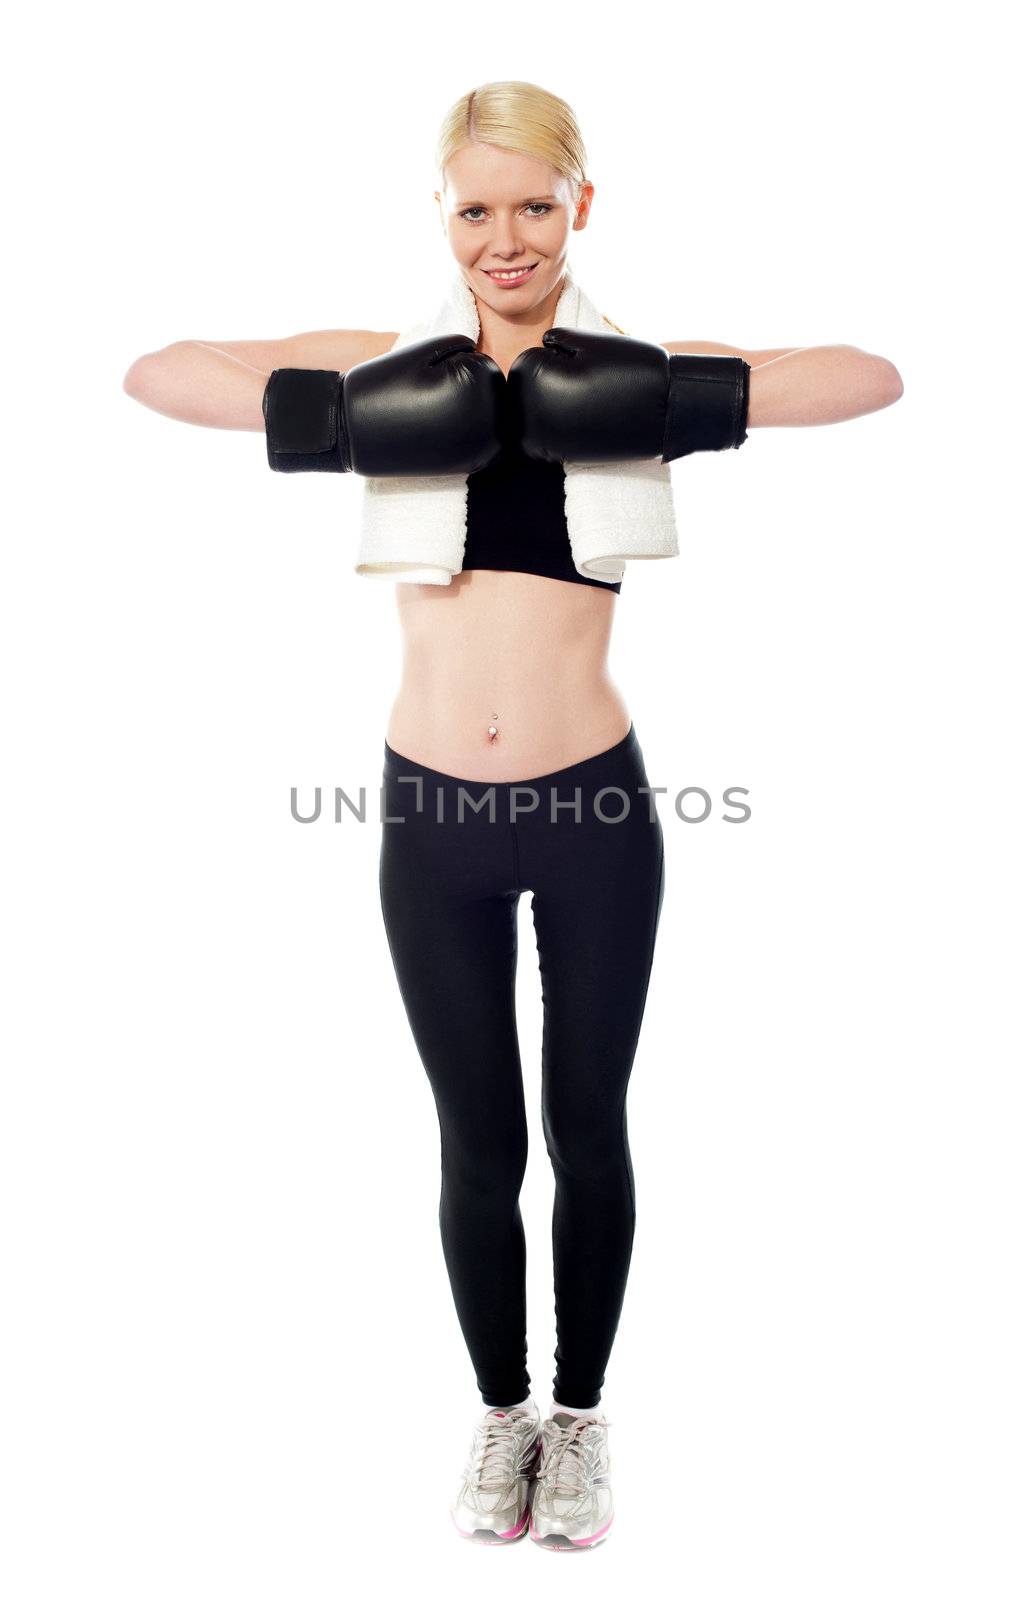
point(449, 892)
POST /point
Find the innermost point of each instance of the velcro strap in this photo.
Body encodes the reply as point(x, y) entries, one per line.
point(300, 406)
point(707, 404)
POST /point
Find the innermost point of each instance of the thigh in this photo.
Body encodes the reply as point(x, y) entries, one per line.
point(450, 919)
point(596, 904)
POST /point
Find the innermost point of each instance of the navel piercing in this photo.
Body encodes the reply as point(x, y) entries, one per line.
point(493, 730)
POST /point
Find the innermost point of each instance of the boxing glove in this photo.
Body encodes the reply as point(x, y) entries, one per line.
point(591, 397)
point(432, 407)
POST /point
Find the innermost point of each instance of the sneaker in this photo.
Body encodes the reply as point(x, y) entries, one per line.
point(492, 1505)
point(572, 1502)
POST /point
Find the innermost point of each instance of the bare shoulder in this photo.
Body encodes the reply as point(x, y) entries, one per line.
point(708, 347)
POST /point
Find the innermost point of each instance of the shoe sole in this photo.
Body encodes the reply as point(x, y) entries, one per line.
point(560, 1541)
point(488, 1536)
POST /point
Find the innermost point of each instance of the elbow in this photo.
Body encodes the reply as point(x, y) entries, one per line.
point(137, 380)
point(891, 386)
point(149, 377)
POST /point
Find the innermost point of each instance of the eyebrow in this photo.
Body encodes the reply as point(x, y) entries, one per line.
point(531, 200)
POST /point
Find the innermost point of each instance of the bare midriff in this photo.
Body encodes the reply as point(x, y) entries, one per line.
point(505, 676)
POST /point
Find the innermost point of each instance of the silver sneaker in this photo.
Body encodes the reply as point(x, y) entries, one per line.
point(572, 1501)
point(492, 1505)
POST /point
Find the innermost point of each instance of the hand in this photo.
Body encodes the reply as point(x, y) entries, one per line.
point(590, 397)
point(429, 408)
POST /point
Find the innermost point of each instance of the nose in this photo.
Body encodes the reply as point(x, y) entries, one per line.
point(506, 245)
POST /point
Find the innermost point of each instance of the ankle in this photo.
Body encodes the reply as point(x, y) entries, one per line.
point(575, 1411)
point(527, 1405)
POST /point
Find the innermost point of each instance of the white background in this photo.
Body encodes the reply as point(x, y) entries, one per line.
point(231, 1362)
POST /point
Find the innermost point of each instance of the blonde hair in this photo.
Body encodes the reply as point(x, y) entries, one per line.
point(522, 117)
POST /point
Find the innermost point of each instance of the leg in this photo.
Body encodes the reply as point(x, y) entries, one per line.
point(450, 915)
point(598, 894)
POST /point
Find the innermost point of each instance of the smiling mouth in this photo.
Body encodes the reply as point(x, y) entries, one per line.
point(504, 272)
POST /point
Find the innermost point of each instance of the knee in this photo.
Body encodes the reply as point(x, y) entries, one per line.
point(585, 1145)
point(486, 1169)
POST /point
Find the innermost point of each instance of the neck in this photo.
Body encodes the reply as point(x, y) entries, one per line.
point(502, 333)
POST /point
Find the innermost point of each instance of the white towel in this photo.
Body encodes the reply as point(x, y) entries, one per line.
point(413, 530)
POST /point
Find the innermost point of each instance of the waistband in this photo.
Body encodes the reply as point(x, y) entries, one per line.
point(578, 772)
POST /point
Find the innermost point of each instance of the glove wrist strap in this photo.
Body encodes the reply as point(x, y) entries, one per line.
point(302, 410)
point(707, 404)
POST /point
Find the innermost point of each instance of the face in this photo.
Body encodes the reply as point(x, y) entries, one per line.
point(501, 210)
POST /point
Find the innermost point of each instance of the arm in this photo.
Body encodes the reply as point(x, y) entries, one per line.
point(221, 385)
point(799, 387)
point(707, 347)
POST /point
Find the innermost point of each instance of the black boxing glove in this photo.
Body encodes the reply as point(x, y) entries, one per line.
point(428, 408)
point(591, 397)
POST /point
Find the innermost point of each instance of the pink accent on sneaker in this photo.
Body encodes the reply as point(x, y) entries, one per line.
point(593, 1537)
point(511, 1533)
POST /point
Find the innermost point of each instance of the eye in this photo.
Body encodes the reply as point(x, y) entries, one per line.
point(542, 208)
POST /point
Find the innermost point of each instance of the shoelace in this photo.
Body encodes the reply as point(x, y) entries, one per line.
point(569, 1463)
point(497, 1453)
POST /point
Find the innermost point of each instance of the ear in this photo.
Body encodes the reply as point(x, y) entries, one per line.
point(583, 204)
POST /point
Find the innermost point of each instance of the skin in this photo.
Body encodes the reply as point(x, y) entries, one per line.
point(522, 653)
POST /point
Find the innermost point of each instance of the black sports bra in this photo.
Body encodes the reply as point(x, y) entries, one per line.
point(516, 522)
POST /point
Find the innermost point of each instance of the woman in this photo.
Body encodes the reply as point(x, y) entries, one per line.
point(506, 689)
